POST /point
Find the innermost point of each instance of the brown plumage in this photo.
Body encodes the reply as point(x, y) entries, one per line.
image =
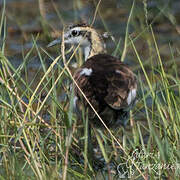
point(107, 88)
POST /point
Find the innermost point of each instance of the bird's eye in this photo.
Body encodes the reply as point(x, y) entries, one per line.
point(74, 33)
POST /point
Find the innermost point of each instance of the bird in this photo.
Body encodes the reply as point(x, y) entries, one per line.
point(109, 84)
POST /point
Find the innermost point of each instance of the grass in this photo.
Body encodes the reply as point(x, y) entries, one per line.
point(41, 137)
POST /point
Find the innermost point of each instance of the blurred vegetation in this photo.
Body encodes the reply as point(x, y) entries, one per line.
point(41, 137)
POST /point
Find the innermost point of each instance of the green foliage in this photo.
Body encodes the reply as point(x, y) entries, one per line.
point(41, 136)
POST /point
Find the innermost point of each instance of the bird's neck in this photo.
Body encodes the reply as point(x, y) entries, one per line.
point(95, 45)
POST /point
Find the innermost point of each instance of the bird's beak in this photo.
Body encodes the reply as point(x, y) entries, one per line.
point(56, 41)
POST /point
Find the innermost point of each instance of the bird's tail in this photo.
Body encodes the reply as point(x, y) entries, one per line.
point(122, 117)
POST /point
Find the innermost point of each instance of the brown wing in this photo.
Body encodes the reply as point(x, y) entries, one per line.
point(105, 81)
point(120, 83)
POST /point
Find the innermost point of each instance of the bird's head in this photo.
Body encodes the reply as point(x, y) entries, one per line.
point(84, 35)
point(78, 34)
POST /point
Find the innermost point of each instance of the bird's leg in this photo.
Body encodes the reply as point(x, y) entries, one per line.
point(90, 146)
